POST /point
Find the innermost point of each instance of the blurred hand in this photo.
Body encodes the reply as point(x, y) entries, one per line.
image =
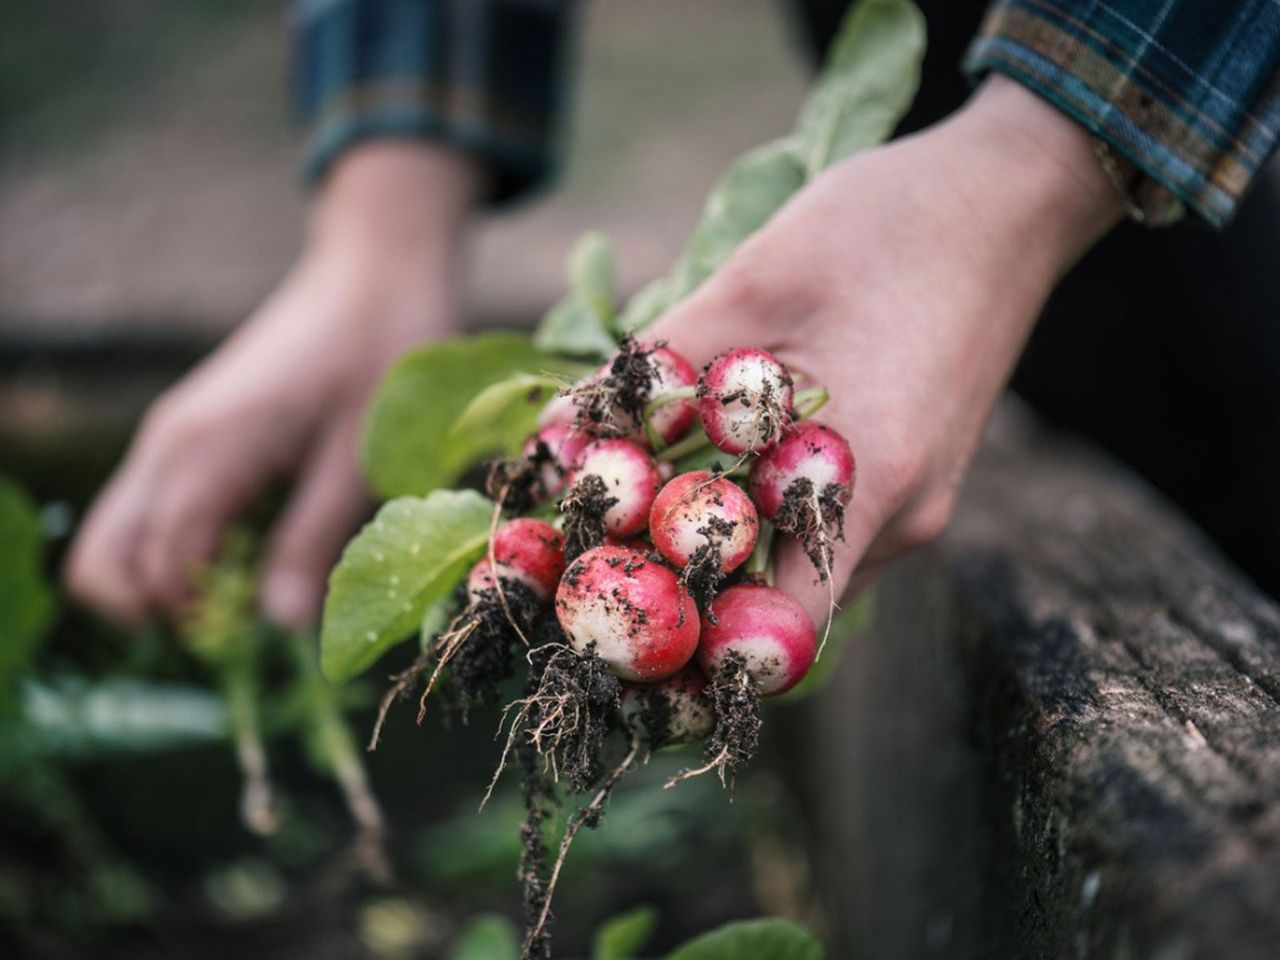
point(283, 397)
point(906, 280)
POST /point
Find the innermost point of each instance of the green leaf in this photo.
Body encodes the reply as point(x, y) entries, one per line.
point(575, 330)
point(26, 602)
point(489, 937)
point(753, 940)
point(621, 937)
point(507, 411)
point(411, 555)
point(74, 716)
point(867, 85)
point(848, 623)
point(582, 324)
point(591, 273)
point(746, 196)
point(408, 448)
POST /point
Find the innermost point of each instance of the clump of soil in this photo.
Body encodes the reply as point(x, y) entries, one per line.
point(735, 738)
point(704, 573)
point(478, 647)
point(561, 729)
point(537, 792)
point(473, 656)
point(571, 712)
point(655, 718)
point(815, 518)
point(613, 405)
point(517, 484)
point(584, 507)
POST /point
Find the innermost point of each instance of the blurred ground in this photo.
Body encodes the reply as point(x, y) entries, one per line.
point(147, 167)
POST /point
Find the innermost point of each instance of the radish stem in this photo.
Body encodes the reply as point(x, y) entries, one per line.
point(810, 401)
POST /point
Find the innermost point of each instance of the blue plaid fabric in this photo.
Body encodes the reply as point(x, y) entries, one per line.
point(480, 75)
point(1188, 90)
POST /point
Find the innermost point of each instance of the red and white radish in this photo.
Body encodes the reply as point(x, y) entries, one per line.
point(811, 461)
point(633, 613)
point(525, 550)
point(629, 478)
point(671, 420)
point(768, 629)
point(612, 402)
point(671, 711)
point(744, 399)
point(558, 446)
point(697, 513)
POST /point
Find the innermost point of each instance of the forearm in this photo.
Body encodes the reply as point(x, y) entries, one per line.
point(405, 201)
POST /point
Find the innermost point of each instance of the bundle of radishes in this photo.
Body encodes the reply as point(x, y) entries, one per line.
point(629, 544)
point(641, 598)
point(665, 578)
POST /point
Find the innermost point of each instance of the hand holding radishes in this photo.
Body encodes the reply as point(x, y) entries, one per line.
point(905, 279)
point(710, 522)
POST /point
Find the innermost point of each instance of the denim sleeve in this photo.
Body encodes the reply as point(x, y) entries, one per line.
point(1189, 90)
point(484, 76)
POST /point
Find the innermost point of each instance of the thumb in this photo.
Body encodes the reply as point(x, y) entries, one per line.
point(328, 504)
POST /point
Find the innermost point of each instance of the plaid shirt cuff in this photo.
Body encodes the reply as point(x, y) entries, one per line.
point(1187, 91)
point(483, 76)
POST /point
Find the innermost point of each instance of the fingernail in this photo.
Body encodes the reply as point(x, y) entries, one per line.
point(289, 599)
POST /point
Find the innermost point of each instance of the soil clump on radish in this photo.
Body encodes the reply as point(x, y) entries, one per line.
point(735, 738)
point(476, 670)
point(704, 573)
point(517, 484)
point(613, 405)
point(584, 508)
point(810, 516)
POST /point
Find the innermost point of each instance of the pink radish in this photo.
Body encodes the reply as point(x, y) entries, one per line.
point(672, 420)
point(557, 448)
point(744, 399)
point(671, 711)
point(559, 409)
point(633, 613)
point(629, 479)
point(613, 400)
point(527, 551)
point(811, 460)
point(768, 629)
point(696, 513)
point(802, 485)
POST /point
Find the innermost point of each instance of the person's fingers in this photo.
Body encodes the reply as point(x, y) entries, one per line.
point(183, 526)
point(330, 501)
point(100, 570)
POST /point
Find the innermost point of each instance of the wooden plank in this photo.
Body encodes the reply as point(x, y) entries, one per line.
point(1083, 719)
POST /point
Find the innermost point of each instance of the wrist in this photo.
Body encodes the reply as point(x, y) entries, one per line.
point(389, 202)
point(1042, 170)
